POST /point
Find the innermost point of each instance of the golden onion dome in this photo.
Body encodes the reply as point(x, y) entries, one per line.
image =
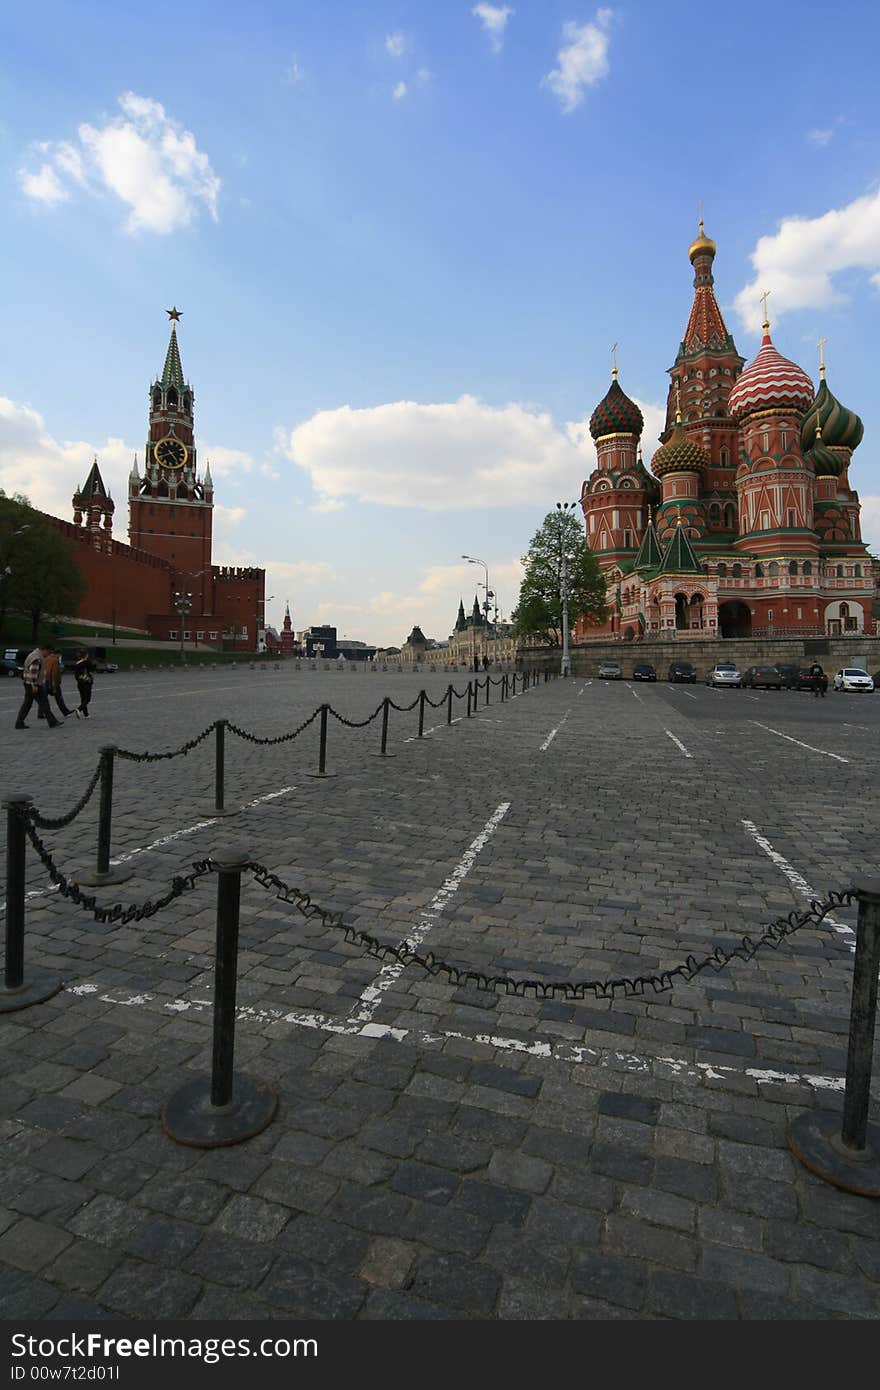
point(703, 244)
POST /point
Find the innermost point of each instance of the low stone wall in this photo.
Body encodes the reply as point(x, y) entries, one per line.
point(702, 653)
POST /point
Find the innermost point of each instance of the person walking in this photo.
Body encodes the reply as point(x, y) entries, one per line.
point(817, 676)
point(52, 681)
point(33, 679)
point(82, 674)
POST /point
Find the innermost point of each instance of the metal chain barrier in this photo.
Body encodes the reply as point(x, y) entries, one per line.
point(772, 935)
point(162, 757)
point(118, 913)
point(279, 738)
point(355, 723)
point(403, 709)
point(59, 822)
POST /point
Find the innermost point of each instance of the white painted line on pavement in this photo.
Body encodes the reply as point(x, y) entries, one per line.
point(576, 1054)
point(553, 732)
point(371, 997)
point(809, 746)
point(636, 694)
point(689, 694)
point(797, 881)
point(677, 741)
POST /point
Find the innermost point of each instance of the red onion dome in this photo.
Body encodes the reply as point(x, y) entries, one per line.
point(617, 414)
point(771, 382)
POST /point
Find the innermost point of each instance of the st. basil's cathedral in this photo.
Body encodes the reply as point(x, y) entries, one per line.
point(749, 526)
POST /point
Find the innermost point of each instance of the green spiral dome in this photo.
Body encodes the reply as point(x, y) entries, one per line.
point(824, 462)
point(841, 428)
point(616, 414)
point(680, 454)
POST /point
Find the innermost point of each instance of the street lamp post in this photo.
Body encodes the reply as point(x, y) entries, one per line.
point(473, 561)
point(183, 602)
point(564, 509)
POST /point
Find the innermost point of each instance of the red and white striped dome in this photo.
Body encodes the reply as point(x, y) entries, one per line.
point(771, 382)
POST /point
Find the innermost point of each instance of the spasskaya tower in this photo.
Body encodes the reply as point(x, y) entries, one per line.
point(170, 507)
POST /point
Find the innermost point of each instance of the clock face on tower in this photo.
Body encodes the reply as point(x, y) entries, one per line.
point(170, 453)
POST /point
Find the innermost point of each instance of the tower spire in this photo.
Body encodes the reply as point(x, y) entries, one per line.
point(172, 372)
point(821, 346)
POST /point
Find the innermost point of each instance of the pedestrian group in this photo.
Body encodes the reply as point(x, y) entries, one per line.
point(41, 677)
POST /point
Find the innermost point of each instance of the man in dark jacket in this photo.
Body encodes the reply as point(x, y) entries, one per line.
point(819, 681)
point(33, 679)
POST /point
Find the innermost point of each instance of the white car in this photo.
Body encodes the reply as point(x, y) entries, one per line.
point(724, 673)
point(853, 678)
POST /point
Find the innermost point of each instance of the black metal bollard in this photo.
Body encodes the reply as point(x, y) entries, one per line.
point(421, 712)
point(449, 705)
point(226, 1107)
point(469, 700)
point(503, 688)
point(16, 992)
point(220, 808)
point(850, 1158)
point(102, 872)
point(322, 748)
point(383, 751)
point(488, 683)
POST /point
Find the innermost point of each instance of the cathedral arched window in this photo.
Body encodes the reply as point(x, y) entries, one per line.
point(759, 570)
point(840, 571)
point(773, 569)
point(857, 571)
point(729, 517)
point(172, 399)
point(715, 514)
point(725, 458)
point(722, 570)
point(792, 566)
point(737, 571)
point(808, 567)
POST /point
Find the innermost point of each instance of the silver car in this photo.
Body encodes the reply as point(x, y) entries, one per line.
point(853, 678)
point(724, 673)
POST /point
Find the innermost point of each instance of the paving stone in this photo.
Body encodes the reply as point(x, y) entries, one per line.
point(163, 1241)
point(680, 1295)
point(769, 1199)
point(66, 1158)
point(388, 1263)
point(300, 1147)
point(83, 1265)
point(723, 1264)
point(325, 1241)
point(764, 1307)
point(444, 1151)
point(451, 1281)
point(610, 1277)
point(812, 1245)
point(189, 1198)
point(227, 1260)
point(388, 1305)
point(138, 1289)
point(686, 1179)
point(304, 1290)
point(629, 1107)
point(627, 1235)
point(106, 1220)
point(724, 1227)
point(444, 1228)
point(71, 1308)
point(349, 1160)
point(838, 1292)
point(426, 1182)
point(23, 1296)
point(302, 1189)
point(29, 1245)
point(511, 1168)
point(660, 1208)
point(623, 1163)
point(504, 1079)
point(493, 1201)
point(251, 1218)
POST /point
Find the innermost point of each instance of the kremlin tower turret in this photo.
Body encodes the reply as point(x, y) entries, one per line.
point(615, 497)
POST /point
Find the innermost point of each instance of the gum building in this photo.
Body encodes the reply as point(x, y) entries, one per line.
point(747, 524)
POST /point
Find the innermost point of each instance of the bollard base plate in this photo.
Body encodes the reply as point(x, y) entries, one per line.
point(216, 811)
point(35, 990)
point(383, 755)
point(190, 1118)
point(814, 1138)
point(320, 774)
point(91, 878)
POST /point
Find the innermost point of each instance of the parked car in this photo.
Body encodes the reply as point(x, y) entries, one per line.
point(681, 671)
point(644, 671)
point(13, 661)
point(790, 672)
point(724, 673)
point(610, 671)
point(762, 678)
point(805, 680)
point(853, 678)
point(97, 656)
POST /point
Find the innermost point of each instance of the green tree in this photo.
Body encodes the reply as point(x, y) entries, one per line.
point(38, 574)
point(538, 614)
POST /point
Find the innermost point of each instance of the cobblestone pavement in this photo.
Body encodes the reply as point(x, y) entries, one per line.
point(440, 1152)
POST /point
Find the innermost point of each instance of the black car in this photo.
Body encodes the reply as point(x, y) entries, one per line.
point(681, 671)
point(12, 662)
point(762, 678)
point(644, 671)
point(790, 672)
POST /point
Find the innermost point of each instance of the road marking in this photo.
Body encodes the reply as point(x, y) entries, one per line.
point(553, 732)
point(372, 995)
point(636, 694)
point(678, 741)
point(779, 734)
point(575, 1054)
point(435, 727)
point(689, 694)
point(797, 881)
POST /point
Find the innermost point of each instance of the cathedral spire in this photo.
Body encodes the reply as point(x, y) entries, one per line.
point(705, 326)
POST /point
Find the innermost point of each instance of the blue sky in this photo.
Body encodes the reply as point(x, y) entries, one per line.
point(404, 237)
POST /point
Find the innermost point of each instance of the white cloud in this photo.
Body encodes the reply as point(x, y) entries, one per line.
point(294, 72)
point(44, 186)
point(229, 516)
point(583, 59)
point(822, 137)
point(447, 456)
point(424, 74)
point(49, 471)
point(399, 91)
point(223, 460)
point(799, 261)
point(142, 157)
point(494, 20)
point(396, 45)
